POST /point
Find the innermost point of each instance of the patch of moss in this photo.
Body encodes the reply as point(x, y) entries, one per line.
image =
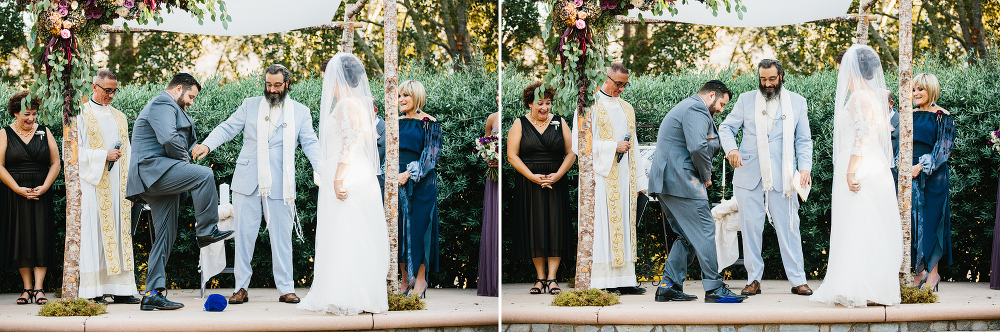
point(910, 294)
point(78, 307)
point(589, 297)
point(401, 302)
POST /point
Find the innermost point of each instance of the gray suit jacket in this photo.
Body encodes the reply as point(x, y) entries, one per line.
point(686, 142)
point(161, 137)
point(244, 120)
point(742, 116)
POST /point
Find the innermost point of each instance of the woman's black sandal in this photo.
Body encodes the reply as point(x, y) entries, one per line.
point(554, 290)
point(21, 300)
point(536, 290)
point(40, 300)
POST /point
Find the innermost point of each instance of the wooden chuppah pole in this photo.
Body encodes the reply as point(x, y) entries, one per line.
point(71, 172)
point(347, 39)
point(391, 79)
point(905, 131)
point(863, 10)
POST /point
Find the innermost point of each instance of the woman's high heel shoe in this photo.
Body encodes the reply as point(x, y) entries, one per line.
point(537, 290)
point(553, 290)
point(29, 299)
point(39, 299)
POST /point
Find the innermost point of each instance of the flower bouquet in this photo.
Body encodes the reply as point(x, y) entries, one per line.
point(995, 140)
point(488, 148)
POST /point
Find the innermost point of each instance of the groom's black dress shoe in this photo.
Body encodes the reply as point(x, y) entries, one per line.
point(723, 295)
point(216, 236)
point(632, 290)
point(158, 301)
point(665, 294)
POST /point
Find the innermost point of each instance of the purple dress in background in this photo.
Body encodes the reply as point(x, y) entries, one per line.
point(489, 267)
point(995, 262)
point(489, 254)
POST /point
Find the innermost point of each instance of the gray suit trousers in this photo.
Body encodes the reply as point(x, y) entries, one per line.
point(692, 220)
point(164, 198)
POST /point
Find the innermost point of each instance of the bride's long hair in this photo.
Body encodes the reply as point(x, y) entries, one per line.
point(861, 82)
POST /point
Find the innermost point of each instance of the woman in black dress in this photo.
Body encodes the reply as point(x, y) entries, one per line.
point(29, 163)
point(539, 148)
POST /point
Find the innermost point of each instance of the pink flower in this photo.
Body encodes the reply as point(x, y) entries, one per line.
point(65, 34)
point(578, 3)
point(580, 24)
point(63, 11)
point(128, 4)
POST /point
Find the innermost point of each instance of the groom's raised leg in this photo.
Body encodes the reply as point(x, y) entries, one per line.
point(200, 182)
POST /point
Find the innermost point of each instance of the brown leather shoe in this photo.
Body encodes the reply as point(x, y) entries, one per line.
point(802, 289)
point(239, 297)
point(289, 298)
point(752, 289)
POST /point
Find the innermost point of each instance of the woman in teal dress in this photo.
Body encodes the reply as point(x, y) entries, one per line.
point(933, 138)
point(419, 148)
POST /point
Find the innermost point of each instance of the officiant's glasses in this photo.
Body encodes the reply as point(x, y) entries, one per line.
point(107, 90)
point(620, 85)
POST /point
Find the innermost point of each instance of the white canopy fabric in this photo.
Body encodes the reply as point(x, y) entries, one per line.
point(250, 17)
point(760, 13)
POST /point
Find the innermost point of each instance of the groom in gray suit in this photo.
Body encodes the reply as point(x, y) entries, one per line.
point(765, 166)
point(679, 176)
point(264, 180)
point(160, 172)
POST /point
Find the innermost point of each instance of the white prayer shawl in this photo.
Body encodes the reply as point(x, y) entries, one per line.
point(617, 183)
point(106, 258)
point(287, 150)
point(764, 148)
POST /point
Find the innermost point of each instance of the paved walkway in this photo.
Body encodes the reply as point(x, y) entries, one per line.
point(775, 305)
point(445, 308)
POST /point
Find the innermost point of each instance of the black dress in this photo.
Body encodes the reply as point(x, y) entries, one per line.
point(540, 214)
point(26, 224)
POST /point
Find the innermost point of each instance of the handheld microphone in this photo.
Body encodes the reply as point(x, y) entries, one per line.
point(117, 146)
point(620, 155)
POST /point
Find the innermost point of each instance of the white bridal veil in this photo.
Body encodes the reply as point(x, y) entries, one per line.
point(347, 114)
point(862, 107)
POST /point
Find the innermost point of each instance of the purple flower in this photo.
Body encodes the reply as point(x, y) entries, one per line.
point(940, 112)
point(94, 12)
point(578, 3)
point(63, 11)
point(609, 4)
point(425, 121)
point(65, 34)
point(128, 4)
point(580, 24)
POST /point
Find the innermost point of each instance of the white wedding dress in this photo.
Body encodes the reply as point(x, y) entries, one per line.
point(865, 237)
point(352, 246)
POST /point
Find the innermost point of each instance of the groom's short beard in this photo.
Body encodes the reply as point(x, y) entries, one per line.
point(275, 99)
point(769, 96)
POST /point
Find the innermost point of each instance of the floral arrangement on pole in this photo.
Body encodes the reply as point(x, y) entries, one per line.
point(63, 33)
point(583, 54)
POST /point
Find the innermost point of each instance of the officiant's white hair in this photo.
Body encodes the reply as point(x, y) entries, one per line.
point(618, 67)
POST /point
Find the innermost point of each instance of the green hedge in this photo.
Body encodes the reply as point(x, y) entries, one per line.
point(460, 101)
point(968, 92)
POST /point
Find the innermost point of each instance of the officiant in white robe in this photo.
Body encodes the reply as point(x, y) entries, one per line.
point(107, 263)
point(777, 144)
point(619, 178)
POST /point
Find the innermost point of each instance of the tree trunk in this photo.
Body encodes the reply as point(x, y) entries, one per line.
point(390, 79)
point(905, 131)
point(71, 173)
point(976, 31)
point(936, 36)
point(585, 240)
point(418, 26)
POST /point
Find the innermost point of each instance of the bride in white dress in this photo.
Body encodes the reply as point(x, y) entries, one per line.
point(865, 237)
point(352, 245)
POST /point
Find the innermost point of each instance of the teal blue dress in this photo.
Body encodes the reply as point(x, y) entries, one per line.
point(419, 148)
point(933, 138)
